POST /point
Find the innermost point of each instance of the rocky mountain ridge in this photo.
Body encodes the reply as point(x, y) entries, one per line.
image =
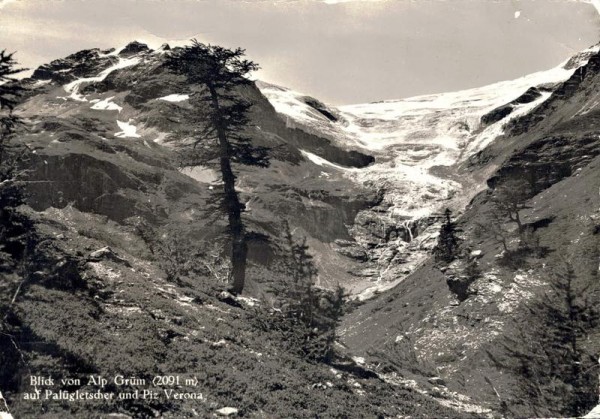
point(398, 155)
point(124, 105)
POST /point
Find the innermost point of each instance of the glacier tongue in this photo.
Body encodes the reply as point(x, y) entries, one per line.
point(413, 138)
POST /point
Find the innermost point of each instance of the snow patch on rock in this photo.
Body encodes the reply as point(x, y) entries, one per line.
point(127, 130)
point(594, 414)
point(248, 301)
point(74, 86)
point(161, 136)
point(227, 411)
point(122, 310)
point(201, 174)
point(174, 98)
point(106, 105)
point(103, 271)
point(359, 360)
point(319, 161)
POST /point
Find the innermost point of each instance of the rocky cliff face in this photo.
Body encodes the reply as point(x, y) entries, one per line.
point(107, 127)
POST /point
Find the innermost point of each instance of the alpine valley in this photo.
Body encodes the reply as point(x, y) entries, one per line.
point(367, 186)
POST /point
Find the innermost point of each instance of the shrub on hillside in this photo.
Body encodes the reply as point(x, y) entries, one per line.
point(180, 257)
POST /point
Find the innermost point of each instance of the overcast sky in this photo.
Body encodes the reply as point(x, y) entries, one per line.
point(337, 50)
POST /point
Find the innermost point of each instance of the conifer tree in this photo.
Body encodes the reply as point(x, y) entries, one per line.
point(510, 198)
point(13, 225)
point(221, 116)
point(16, 229)
point(297, 265)
point(311, 314)
point(557, 370)
point(446, 249)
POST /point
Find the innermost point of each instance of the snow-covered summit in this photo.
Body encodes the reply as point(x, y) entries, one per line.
point(447, 122)
point(582, 58)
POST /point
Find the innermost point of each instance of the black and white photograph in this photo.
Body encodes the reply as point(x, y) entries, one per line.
point(280, 209)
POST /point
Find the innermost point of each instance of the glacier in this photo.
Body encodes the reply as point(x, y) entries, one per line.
point(413, 139)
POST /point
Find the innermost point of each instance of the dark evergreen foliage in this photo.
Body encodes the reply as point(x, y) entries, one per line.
point(221, 116)
point(9, 89)
point(17, 236)
point(507, 201)
point(447, 246)
point(510, 199)
point(551, 354)
point(306, 315)
point(14, 226)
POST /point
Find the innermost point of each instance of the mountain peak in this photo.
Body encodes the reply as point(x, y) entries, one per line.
point(581, 58)
point(134, 47)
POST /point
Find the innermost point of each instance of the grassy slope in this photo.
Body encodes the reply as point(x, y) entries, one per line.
point(119, 319)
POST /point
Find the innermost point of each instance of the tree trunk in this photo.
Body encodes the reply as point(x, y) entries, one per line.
point(518, 221)
point(239, 247)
